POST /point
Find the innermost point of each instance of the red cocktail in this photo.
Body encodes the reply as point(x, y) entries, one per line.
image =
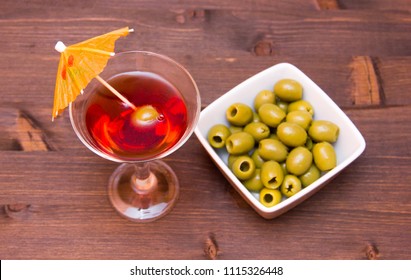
point(167, 107)
point(157, 123)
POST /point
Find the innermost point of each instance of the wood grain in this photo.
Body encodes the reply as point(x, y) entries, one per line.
point(53, 197)
point(327, 4)
point(367, 88)
point(30, 137)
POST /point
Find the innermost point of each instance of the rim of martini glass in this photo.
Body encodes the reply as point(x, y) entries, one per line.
point(91, 145)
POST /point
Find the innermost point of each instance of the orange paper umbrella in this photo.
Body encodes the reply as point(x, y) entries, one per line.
point(80, 63)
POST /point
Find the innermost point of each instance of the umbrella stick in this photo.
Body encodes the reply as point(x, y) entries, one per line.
point(115, 92)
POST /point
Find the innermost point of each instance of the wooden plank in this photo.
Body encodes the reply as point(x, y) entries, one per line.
point(399, 5)
point(246, 5)
point(355, 32)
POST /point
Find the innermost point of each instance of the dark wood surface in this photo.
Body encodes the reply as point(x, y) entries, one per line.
point(53, 199)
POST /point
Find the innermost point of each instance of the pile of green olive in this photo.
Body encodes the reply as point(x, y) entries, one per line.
point(276, 148)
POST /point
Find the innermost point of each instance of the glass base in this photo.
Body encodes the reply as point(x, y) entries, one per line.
point(143, 192)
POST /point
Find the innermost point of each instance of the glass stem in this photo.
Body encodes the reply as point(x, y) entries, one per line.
point(143, 180)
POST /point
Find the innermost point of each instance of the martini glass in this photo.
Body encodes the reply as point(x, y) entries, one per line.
point(167, 106)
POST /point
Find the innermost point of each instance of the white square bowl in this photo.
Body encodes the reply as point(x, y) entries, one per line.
point(349, 146)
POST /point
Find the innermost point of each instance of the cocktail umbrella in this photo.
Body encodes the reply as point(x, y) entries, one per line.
point(82, 62)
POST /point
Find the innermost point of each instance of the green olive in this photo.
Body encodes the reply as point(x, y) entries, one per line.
point(256, 117)
point(271, 114)
point(324, 156)
point(308, 143)
point(282, 105)
point(288, 90)
point(264, 96)
point(272, 149)
point(274, 136)
point(270, 197)
point(258, 130)
point(301, 105)
point(239, 114)
point(235, 129)
point(258, 160)
point(243, 167)
point(302, 118)
point(144, 115)
point(321, 130)
point(272, 174)
point(309, 177)
point(239, 143)
point(290, 186)
point(299, 161)
point(284, 168)
point(217, 135)
point(291, 134)
point(254, 183)
point(231, 158)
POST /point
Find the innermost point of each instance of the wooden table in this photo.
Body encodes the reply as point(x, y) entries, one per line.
point(53, 197)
